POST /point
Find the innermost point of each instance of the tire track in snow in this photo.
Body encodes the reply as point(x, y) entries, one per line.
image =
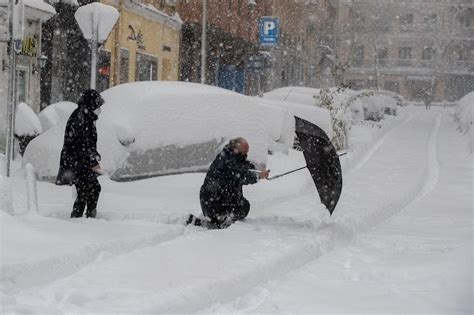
point(322, 239)
point(433, 168)
point(24, 275)
point(380, 142)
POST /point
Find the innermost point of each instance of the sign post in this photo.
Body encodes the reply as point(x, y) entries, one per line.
point(96, 21)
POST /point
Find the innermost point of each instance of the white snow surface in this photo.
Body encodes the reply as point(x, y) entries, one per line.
point(55, 113)
point(399, 241)
point(464, 114)
point(26, 121)
point(6, 201)
point(316, 115)
point(40, 5)
point(96, 17)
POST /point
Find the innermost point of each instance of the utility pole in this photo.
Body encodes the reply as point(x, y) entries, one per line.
point(94, 39)
point(204, 42)
point(15, 36)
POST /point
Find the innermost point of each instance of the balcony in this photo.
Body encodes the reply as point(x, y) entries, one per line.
point(463, 32)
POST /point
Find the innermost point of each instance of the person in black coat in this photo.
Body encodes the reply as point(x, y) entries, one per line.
point(79, 163)
point(221, 196)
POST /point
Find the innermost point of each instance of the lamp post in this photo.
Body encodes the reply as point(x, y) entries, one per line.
point(96, 21)
point(204, 42)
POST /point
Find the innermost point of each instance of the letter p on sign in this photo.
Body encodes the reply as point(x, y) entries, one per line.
point(268, 26)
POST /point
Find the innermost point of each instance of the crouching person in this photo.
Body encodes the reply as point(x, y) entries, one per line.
point(221, 195)
point(79, 163)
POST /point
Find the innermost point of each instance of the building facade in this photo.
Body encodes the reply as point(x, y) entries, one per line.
point(303, 54)
point(235, 58)
point(144, 45)
point(232, 34)
point(29, 62)
point(422, 49)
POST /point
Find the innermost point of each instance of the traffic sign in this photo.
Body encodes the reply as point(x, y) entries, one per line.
point(269, 30)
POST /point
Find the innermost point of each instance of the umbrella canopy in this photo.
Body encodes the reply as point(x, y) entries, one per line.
point(322, 162)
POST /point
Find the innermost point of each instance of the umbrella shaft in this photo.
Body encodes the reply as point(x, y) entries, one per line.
point(281, 175)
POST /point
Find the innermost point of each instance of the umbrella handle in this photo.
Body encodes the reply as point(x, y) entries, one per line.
point(281, 175)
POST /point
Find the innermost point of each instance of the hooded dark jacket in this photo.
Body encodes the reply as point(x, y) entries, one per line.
point(79, 154)
point(226, 176)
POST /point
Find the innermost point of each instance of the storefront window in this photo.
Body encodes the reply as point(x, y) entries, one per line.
point(147, 68)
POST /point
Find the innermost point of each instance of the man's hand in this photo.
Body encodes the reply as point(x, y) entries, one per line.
point(264, 174)
point(97, 169)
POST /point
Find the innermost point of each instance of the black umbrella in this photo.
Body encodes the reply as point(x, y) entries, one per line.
point(322, 162)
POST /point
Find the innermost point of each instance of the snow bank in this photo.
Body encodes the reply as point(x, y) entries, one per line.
point(171, 127)
point(6, 200)
point(26, 121)
point(55, 113)
point(40, 5)
point(463, 115)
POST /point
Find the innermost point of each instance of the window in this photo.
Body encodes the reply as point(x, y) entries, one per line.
point(22, 84)
point(430, 21)
point(124, 65)
point(147, 67)
point(392, 86)
point(382, 56)
point(404, 54)
point(103, 70)
point(428, 53)
point(465, 19)
point(406, 22)
point(359, 56)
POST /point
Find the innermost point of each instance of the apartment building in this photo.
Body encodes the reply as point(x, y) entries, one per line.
point(422, 49)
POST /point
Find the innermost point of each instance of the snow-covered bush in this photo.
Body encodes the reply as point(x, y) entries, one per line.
point(464, 117)
point(153, 128)
point(27, 125)
point(55, 113)
point(338, 108)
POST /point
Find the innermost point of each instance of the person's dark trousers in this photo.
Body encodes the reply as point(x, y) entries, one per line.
point(88, 191)
point(221, 212)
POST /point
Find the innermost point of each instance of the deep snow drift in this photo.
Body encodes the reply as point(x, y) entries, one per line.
point(289, 256)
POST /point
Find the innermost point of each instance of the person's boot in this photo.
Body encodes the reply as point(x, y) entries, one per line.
point(193, 220)
point(91, 213)
point(76, 214)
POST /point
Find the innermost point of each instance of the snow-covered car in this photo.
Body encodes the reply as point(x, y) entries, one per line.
point(161, 127)
point(400, 101)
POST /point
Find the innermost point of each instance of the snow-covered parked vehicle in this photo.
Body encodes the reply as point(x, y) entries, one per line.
point(155, 128)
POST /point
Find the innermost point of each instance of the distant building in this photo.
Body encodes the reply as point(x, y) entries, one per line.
point(231, 42)
point(422, 49)
point(305, 53)
point(235, 58)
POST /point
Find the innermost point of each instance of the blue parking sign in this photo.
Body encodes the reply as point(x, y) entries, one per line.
point(269, 30)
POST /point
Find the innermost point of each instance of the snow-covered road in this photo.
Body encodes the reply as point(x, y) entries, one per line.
point(289, 256)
